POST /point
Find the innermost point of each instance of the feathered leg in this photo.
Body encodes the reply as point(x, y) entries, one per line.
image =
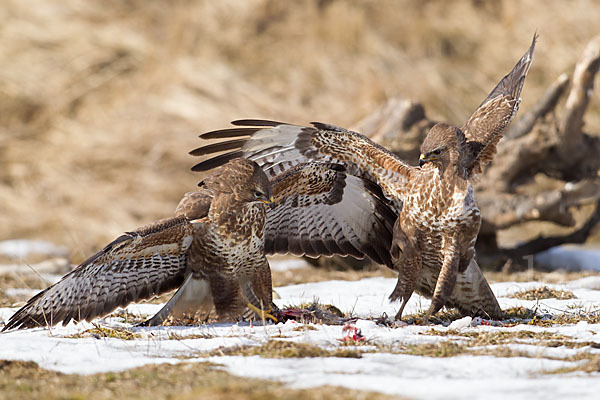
point(257, 305)
point(447, 277)
point(407, 261)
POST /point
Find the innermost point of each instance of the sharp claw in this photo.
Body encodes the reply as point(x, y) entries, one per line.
point(263, 314)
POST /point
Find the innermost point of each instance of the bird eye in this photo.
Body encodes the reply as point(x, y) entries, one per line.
point(437, 152)
point(258, 193)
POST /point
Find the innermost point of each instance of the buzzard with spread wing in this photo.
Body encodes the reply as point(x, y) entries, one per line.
point(214, 245)
point(435, 214)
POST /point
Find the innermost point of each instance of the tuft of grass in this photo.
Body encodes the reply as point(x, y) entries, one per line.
point(591, 365)
point(443, 349)
point(304, 327)
point(127, 317)
point(519, 313)
point(544, 292)
point(478, 339)
point(591, 317)
point(502, 351)
point(444, 318)
point(176, 336)
point(99, 332)
point(21, 379)
point(285, 349)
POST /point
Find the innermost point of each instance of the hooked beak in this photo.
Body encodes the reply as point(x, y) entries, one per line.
point(270, 202)
point(423, 159)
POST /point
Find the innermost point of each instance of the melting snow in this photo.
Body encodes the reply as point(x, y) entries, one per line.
point(479, 376)
point(569, 257)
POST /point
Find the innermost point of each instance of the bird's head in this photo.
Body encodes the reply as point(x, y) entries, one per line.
point(252, 183)
point(441, 145)
point(261, 191)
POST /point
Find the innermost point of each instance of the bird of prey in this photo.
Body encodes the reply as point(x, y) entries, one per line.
point(214, 244)
point(318, 209)
point(436, 219)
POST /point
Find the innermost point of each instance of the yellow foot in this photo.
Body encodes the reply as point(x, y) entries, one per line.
point(262, 313)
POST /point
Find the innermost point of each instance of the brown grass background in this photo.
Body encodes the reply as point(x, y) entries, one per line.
point(100, 101)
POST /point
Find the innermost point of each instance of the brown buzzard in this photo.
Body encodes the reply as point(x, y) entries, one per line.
point(436, 217)
point(319, 209)
point(214, 244)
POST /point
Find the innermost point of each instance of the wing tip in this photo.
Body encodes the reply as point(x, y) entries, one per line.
point(256, 122)
point(529, 54)
point(217, 161)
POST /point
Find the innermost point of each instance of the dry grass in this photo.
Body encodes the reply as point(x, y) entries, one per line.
point(99, 332)
point(21, 379)
point(443, 317)
point(544, 292)
point(591, 365)
point(100, 101)
point(285, 349)
point(442, 349)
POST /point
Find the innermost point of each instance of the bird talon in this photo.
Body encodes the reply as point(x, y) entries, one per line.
point(263, 314)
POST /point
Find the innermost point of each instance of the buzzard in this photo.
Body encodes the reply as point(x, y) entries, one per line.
point(436, 219)
point(214, 244)
point(213, 248)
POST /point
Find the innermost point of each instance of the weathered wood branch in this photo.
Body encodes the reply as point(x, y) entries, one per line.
point(503, 210)
point(545, 242)
point(579, 98)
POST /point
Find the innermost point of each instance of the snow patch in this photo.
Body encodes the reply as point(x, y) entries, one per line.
point(21, 248)
point(383, 371)
point(570, 258)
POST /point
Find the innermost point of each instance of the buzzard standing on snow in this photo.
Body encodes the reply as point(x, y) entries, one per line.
point(213, 249)
point(214, 244)
point(436, 217)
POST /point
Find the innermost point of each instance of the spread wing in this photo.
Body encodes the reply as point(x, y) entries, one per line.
point(278, 147)
point(486, 126)
point(137, 265)
point(322, 210)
